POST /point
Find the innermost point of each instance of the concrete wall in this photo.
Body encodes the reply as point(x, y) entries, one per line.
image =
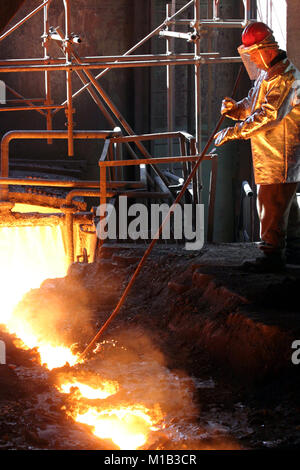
point(293, 31)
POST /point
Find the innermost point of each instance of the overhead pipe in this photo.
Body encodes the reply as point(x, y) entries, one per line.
point(201, 59)
point(100, 59)
point(94, 66)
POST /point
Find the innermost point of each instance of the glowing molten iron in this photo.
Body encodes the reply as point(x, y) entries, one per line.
point(82, 390)
point(29, 255)
point(128, 427)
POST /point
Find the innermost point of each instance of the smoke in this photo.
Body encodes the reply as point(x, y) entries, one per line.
point(131, 358)
point(57, 313)
point(141, 370)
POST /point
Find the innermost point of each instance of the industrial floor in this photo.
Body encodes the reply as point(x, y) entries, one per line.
point(210, 342)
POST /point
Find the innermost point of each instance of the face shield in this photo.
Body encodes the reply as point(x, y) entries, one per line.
point(252, 57)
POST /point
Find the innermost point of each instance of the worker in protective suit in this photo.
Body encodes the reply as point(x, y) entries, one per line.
point(270, 117)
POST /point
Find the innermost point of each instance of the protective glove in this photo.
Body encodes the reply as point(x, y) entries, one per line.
point(227, 105)
point(229, 133)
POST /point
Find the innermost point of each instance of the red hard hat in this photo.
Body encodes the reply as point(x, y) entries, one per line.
point(255, 33)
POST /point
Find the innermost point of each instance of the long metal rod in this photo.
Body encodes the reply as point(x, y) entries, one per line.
point(100, 59)
point(173, 34)
point(212, 24)
point(26, 18)
point(122, 192)
point(20, 100)
point(153, 136)
point(30, 108)
point(158, 160)
point(158, 233)
point(114, 65)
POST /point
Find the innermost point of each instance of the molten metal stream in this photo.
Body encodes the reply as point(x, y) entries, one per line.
point(29, 255)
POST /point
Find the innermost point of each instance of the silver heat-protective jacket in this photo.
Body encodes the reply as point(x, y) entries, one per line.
point(270, 116)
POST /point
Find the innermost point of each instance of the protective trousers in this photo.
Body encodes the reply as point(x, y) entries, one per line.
point(279, 216)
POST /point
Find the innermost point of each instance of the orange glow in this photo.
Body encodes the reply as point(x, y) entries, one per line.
point(29, 255)
point(127, 426)
point(106, 389)
point(26, 208)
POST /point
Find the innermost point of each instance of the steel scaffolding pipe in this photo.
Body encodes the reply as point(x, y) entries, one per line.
point(29, 108)
point(170, 80)
point(210, 23)
point(67, 184)
point(116, 65)
point(106, 59)
point(70, 110)
point(47, 74)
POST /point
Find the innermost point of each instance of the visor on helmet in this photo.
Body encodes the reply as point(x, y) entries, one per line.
point(245, 53)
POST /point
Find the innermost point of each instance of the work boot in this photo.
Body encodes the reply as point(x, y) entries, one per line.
point(292, 257)
point(271, 263)
point(292, 251)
